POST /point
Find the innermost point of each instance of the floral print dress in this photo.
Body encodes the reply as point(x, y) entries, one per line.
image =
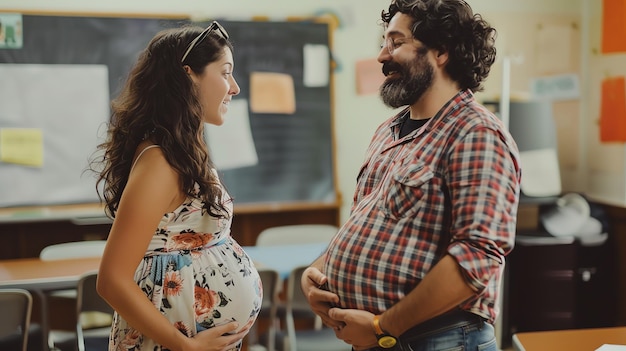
point(196, 275)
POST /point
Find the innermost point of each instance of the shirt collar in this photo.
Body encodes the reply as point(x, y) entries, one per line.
point(462, 98)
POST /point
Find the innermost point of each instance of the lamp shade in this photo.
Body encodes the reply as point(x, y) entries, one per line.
point(531, 123)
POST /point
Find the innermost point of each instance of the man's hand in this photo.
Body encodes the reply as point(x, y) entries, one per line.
point(319, 299)
point(357, 330)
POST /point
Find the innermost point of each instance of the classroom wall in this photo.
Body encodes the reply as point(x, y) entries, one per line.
point(356, 38)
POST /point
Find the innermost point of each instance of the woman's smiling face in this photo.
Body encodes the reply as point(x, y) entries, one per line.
point(216, 87)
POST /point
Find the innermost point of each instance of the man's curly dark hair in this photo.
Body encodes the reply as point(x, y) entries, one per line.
point(451, 26)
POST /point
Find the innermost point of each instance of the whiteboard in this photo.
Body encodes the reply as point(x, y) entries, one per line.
point(70, 105)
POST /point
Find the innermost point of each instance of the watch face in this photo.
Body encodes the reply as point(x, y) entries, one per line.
point(387, 342)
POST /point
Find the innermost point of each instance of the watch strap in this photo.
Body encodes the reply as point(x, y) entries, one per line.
point(376, 324)
point(385, 340)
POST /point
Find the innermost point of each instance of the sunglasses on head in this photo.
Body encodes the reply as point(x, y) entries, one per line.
point(214, 26)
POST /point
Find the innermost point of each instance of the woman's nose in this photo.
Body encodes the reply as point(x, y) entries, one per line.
point(234, 87)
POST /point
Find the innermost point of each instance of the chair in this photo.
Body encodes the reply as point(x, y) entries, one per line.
point(16, 306)
point(74, 249)
point(92, 334)
point(319, 337)
point(89, 301)
point(290, 235)
point(296, 234)
point(270, 280)
point(67, 297)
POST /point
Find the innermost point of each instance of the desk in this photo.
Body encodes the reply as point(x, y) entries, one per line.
point(284, 258)
point(35, 274)
point(570, 340)
point(38, 276)
point(79, 214)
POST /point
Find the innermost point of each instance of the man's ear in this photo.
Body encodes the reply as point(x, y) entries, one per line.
point(442, 57)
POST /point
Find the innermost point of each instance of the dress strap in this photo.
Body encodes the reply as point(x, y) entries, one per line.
point(141, 153)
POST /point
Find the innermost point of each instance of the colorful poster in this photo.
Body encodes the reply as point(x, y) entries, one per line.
point(272, 92)
point(369, 76)
point(613, 110)
point(613, 26)
point(11, 31)
point(554, 48)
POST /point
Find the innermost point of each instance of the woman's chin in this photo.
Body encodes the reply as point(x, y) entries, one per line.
point(215, 120)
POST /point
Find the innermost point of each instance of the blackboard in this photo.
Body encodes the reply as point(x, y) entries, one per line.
point(295, 153)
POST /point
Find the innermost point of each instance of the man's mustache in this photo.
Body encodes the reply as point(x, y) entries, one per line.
point(391, 66)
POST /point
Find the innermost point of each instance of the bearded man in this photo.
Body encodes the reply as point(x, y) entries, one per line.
point(418, 263)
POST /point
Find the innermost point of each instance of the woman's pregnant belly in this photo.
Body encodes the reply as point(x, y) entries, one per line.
point(202, 289)
point(228, 291)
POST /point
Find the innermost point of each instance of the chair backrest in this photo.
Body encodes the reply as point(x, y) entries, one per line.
point(298, 305)
point(296, 301)
point(88, 300)
point(270, 280)
point(74, 249)
point(16, 306)
point(296, 234)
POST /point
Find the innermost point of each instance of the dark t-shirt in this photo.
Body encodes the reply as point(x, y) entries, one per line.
point(410, 125)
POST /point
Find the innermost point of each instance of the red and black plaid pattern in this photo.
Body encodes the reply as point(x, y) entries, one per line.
point(390, 240)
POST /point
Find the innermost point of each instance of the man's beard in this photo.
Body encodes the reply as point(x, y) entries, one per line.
point(412, 82)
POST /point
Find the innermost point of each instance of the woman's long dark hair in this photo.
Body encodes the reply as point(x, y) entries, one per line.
point(451, 26)
point(160, 102)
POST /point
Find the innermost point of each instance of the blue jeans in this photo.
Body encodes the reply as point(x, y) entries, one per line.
point(466, 338)
point(472, 337)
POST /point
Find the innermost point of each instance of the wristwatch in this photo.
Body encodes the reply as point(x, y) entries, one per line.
point(385, 340)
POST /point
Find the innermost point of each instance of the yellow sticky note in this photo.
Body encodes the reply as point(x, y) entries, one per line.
point(272, 92)
point(22, 146)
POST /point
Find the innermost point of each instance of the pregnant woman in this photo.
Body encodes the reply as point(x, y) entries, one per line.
point(171, 270)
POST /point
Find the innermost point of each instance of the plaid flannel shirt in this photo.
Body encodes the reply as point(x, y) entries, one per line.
point(400, 211)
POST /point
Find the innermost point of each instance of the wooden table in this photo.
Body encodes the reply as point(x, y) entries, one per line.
point(39, 276)
point(35, 274)
point(570, 340)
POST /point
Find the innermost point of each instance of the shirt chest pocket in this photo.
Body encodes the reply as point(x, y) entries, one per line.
point(407, 190)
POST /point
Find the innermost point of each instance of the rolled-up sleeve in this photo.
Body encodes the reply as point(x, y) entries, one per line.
point(484, 183)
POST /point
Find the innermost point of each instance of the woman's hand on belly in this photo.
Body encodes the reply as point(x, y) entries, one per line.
point(218, 338)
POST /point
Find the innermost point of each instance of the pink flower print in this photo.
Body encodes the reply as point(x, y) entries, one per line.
point(238, 250)
point(205, 301)
point(188, 241)
point(131, 340)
